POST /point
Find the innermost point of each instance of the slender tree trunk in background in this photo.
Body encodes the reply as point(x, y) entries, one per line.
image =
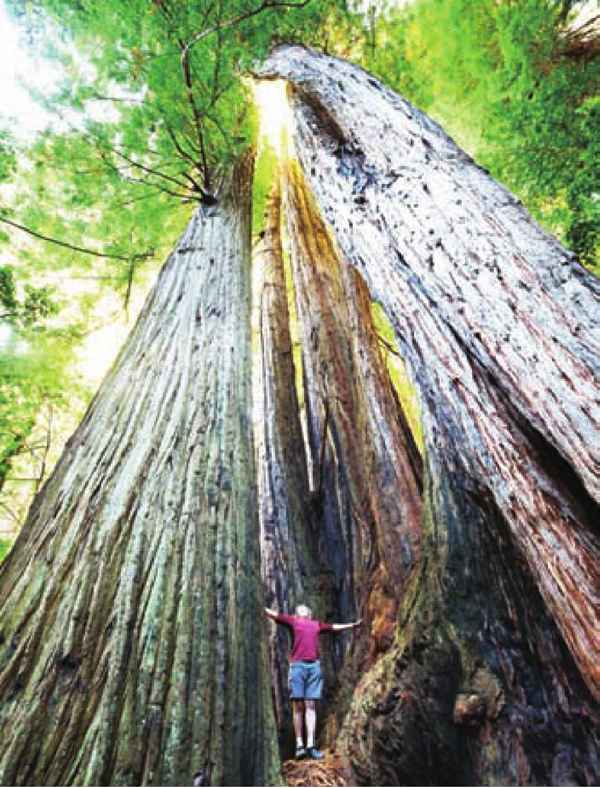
point(287, 540)
point(494, 675)
point(366, 468)
point(130, 606)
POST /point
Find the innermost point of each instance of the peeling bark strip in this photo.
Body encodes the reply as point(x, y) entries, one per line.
point(130, 604)
point(500, 327)
point(287, 556)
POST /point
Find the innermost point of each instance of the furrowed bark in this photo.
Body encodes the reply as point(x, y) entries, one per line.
point(131, 602)
point(500, 328)
point(366, 468)
point(288, 561)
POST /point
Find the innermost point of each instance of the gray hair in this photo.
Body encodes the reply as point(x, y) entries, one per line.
point(300, 611)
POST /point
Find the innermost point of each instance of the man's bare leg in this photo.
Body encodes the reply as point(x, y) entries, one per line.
point(298, 710)
point(311, 722)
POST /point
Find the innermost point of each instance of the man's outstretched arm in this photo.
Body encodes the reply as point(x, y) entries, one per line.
point(271, 613)
point(339, 627)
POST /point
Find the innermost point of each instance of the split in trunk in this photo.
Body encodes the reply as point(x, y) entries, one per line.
point(365, 466)
point(287, 538)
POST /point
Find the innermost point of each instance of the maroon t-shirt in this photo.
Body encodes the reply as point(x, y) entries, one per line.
point(306, 635)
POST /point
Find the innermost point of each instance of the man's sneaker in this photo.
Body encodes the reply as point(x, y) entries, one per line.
point(300, 753)
point(312, 752)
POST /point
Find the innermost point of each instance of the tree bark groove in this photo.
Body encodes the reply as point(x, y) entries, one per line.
point(130, 607)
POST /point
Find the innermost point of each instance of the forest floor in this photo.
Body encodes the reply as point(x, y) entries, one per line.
point(332, 770)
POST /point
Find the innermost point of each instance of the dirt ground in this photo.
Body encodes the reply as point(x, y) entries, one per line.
point(332, 770)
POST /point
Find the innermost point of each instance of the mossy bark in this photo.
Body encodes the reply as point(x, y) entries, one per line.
point(131, 602)
point(494, 675)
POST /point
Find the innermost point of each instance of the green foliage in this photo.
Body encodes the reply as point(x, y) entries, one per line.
point(33, 374)
point(8, 290)
point(151, 111)
point(35, 306)
point(583, 189)
point(500, 77)
point(31, 363)
point(34, 363)
point(8, 159)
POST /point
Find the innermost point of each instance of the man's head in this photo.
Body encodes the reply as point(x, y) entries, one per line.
point(303, 611)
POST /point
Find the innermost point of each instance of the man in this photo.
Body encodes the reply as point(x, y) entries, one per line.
point(305, 679)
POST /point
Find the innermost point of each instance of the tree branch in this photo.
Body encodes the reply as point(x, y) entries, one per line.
point(103, 147)
point(266, 5)
point(72, 247)
point(47, 446)
point(185, 155)
point(158, 186)
point(150, 170)
point(219, 49)
point(145, 168)
point(10, 511)
point(98, 97)
point(178, 147)
point(218, 126)
point(139, 198)
point(187, 78)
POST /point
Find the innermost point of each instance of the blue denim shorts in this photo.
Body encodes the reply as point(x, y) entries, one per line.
point(305, 680)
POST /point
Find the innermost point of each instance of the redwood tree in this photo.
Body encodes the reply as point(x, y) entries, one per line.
point(493, 674)
point(131, 600)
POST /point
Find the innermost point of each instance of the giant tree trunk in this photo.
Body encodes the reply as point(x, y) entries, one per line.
point(494, 674)
point(130, 604)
